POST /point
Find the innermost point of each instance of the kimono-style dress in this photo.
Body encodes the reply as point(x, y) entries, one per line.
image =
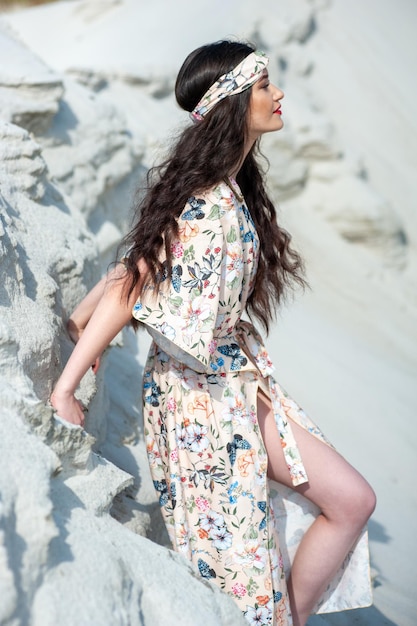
point(201, 381)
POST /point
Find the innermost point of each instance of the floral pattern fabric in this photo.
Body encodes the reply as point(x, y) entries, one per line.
point(201, 381)
point(237, 80)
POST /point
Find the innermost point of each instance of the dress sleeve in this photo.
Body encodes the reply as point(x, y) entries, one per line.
point(182, 315)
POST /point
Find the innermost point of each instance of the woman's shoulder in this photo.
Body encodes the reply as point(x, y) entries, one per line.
point(215, 201)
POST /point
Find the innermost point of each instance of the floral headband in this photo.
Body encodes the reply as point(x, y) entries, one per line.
point(237, 80)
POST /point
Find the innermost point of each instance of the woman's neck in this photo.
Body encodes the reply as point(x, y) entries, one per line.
point(248, 147)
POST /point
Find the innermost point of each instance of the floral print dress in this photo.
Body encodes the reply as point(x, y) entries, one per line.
point(201, 381)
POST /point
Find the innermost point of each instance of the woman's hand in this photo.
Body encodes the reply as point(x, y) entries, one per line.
point(68, 407)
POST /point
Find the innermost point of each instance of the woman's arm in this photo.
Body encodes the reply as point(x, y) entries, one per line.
point(81, 315)
point(104, 312)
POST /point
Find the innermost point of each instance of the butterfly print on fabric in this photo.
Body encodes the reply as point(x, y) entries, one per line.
point(161, 487)
point(248, 216)
point(233, 351)
point(176, 274)
point(195, 212)
point(237, 443)
point(205, 570)
point(163, 274)
point(153, 397)
point(249, 236)
point(277, 595)
point(262, 507)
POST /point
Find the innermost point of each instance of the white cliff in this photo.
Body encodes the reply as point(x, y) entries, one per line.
point(64, 559)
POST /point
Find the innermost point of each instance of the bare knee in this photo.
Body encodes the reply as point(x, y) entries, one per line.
point(365, 503)
point(354, 506)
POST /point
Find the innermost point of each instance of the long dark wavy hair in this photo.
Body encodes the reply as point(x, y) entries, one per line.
point(204, 154)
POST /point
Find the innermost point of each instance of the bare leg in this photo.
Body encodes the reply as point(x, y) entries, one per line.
point(344, 497)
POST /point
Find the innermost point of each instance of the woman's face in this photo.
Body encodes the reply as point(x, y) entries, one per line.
point(265, 108)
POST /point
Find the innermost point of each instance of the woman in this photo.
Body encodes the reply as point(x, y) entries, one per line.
point(206, 247)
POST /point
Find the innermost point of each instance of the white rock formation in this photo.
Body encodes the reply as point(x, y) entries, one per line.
point(79, 125)
point(63, 558)
point(29, 91)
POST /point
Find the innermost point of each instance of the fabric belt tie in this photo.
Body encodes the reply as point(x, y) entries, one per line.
point(253, 347)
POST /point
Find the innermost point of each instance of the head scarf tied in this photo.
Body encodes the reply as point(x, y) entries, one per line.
point(237, 80)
